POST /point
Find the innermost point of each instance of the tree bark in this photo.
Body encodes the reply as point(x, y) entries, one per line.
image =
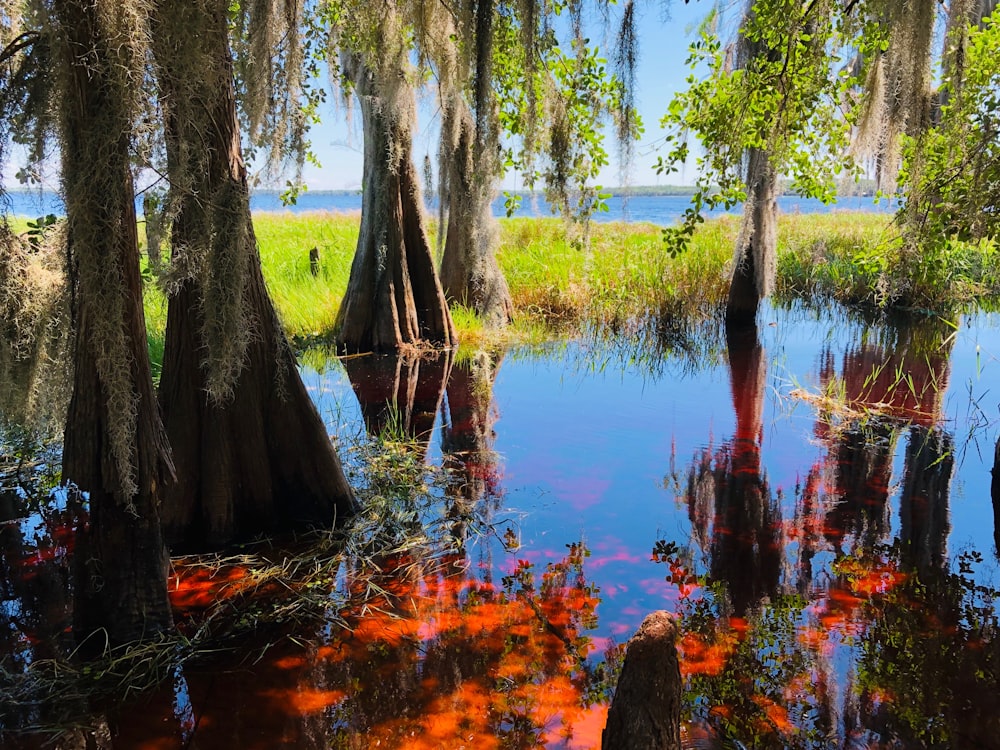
point(470, 274)
point(394, 297)
point(756, 247)
point(645, 713)
point(257, 459)
point(121, 562)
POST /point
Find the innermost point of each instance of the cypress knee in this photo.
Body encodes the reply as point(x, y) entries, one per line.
point(645, 713)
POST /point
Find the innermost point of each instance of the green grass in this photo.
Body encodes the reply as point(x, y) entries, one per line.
point(307, 304)
point(624, 275)
point(559, 286)
point(858, 260)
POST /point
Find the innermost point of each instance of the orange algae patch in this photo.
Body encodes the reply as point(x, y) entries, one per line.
point(878, 581)
point(869, 578)
point(304, 700)
point(290, 662)
point(587, 728)
point(698, 656)
point(461, 715)
point(881, 695)
point(817, 639)
point(776, 714)
point(198, 587)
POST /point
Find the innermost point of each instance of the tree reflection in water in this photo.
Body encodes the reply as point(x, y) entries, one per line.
point(440, 654)
point(400, 394)
point(887, 647)
point(830, 613)
point(468, 436)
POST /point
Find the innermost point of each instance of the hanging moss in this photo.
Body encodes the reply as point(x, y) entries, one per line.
point(34, 331)
point(216, 231)
point(97, 195)
point(898, 87)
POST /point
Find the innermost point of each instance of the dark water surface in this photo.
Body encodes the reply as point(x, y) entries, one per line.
point(812, 501)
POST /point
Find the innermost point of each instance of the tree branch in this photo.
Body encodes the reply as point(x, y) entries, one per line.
point(20, 42)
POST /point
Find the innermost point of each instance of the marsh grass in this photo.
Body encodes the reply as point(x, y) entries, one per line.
point(624, 280)
point(859, 261)
point(306, 303)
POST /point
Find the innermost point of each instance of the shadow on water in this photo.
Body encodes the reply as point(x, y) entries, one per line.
point(827, 570)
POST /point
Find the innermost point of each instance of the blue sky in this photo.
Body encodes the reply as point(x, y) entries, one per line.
point(665, 31)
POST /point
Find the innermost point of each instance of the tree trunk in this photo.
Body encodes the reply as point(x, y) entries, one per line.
point(645, 713)
point(394, 297)
point(995, 497)
point(470, 274)
point(255, 457)
point(756, 247)
point(115, 446)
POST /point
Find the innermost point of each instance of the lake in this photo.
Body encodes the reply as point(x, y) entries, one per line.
point(663, 210)
point(811, 499)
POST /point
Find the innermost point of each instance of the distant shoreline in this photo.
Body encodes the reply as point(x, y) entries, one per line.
point(862, 190)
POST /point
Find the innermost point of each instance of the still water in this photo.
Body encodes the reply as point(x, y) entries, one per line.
point(810, 498)
point(663, 210)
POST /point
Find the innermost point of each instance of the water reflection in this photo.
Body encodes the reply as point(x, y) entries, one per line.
point(444, 656)
point(468, 437)
point(728, 488)
point(765, 650)
point(400, 394)
point(829, 593)
point(36, 543)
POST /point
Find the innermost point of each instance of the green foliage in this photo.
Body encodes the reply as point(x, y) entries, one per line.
point(625, 276)
point(784, 98)
point(38, 229)
point(930, 643)
point(553, 116)
point(952, 172)
point(865, 263)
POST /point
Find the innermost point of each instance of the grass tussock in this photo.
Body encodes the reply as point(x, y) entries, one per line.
point(625, 273)
point(859, 261)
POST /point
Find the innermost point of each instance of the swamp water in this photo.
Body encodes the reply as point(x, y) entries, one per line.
point(811, 499)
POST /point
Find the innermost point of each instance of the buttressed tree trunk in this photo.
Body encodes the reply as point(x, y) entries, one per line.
point(470, 273)
point(115, 446)
point(252, 453)
point(756, 248)
point(394, 297)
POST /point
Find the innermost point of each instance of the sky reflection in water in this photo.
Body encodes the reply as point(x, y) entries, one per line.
point(865, 531)
point(832, 567)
